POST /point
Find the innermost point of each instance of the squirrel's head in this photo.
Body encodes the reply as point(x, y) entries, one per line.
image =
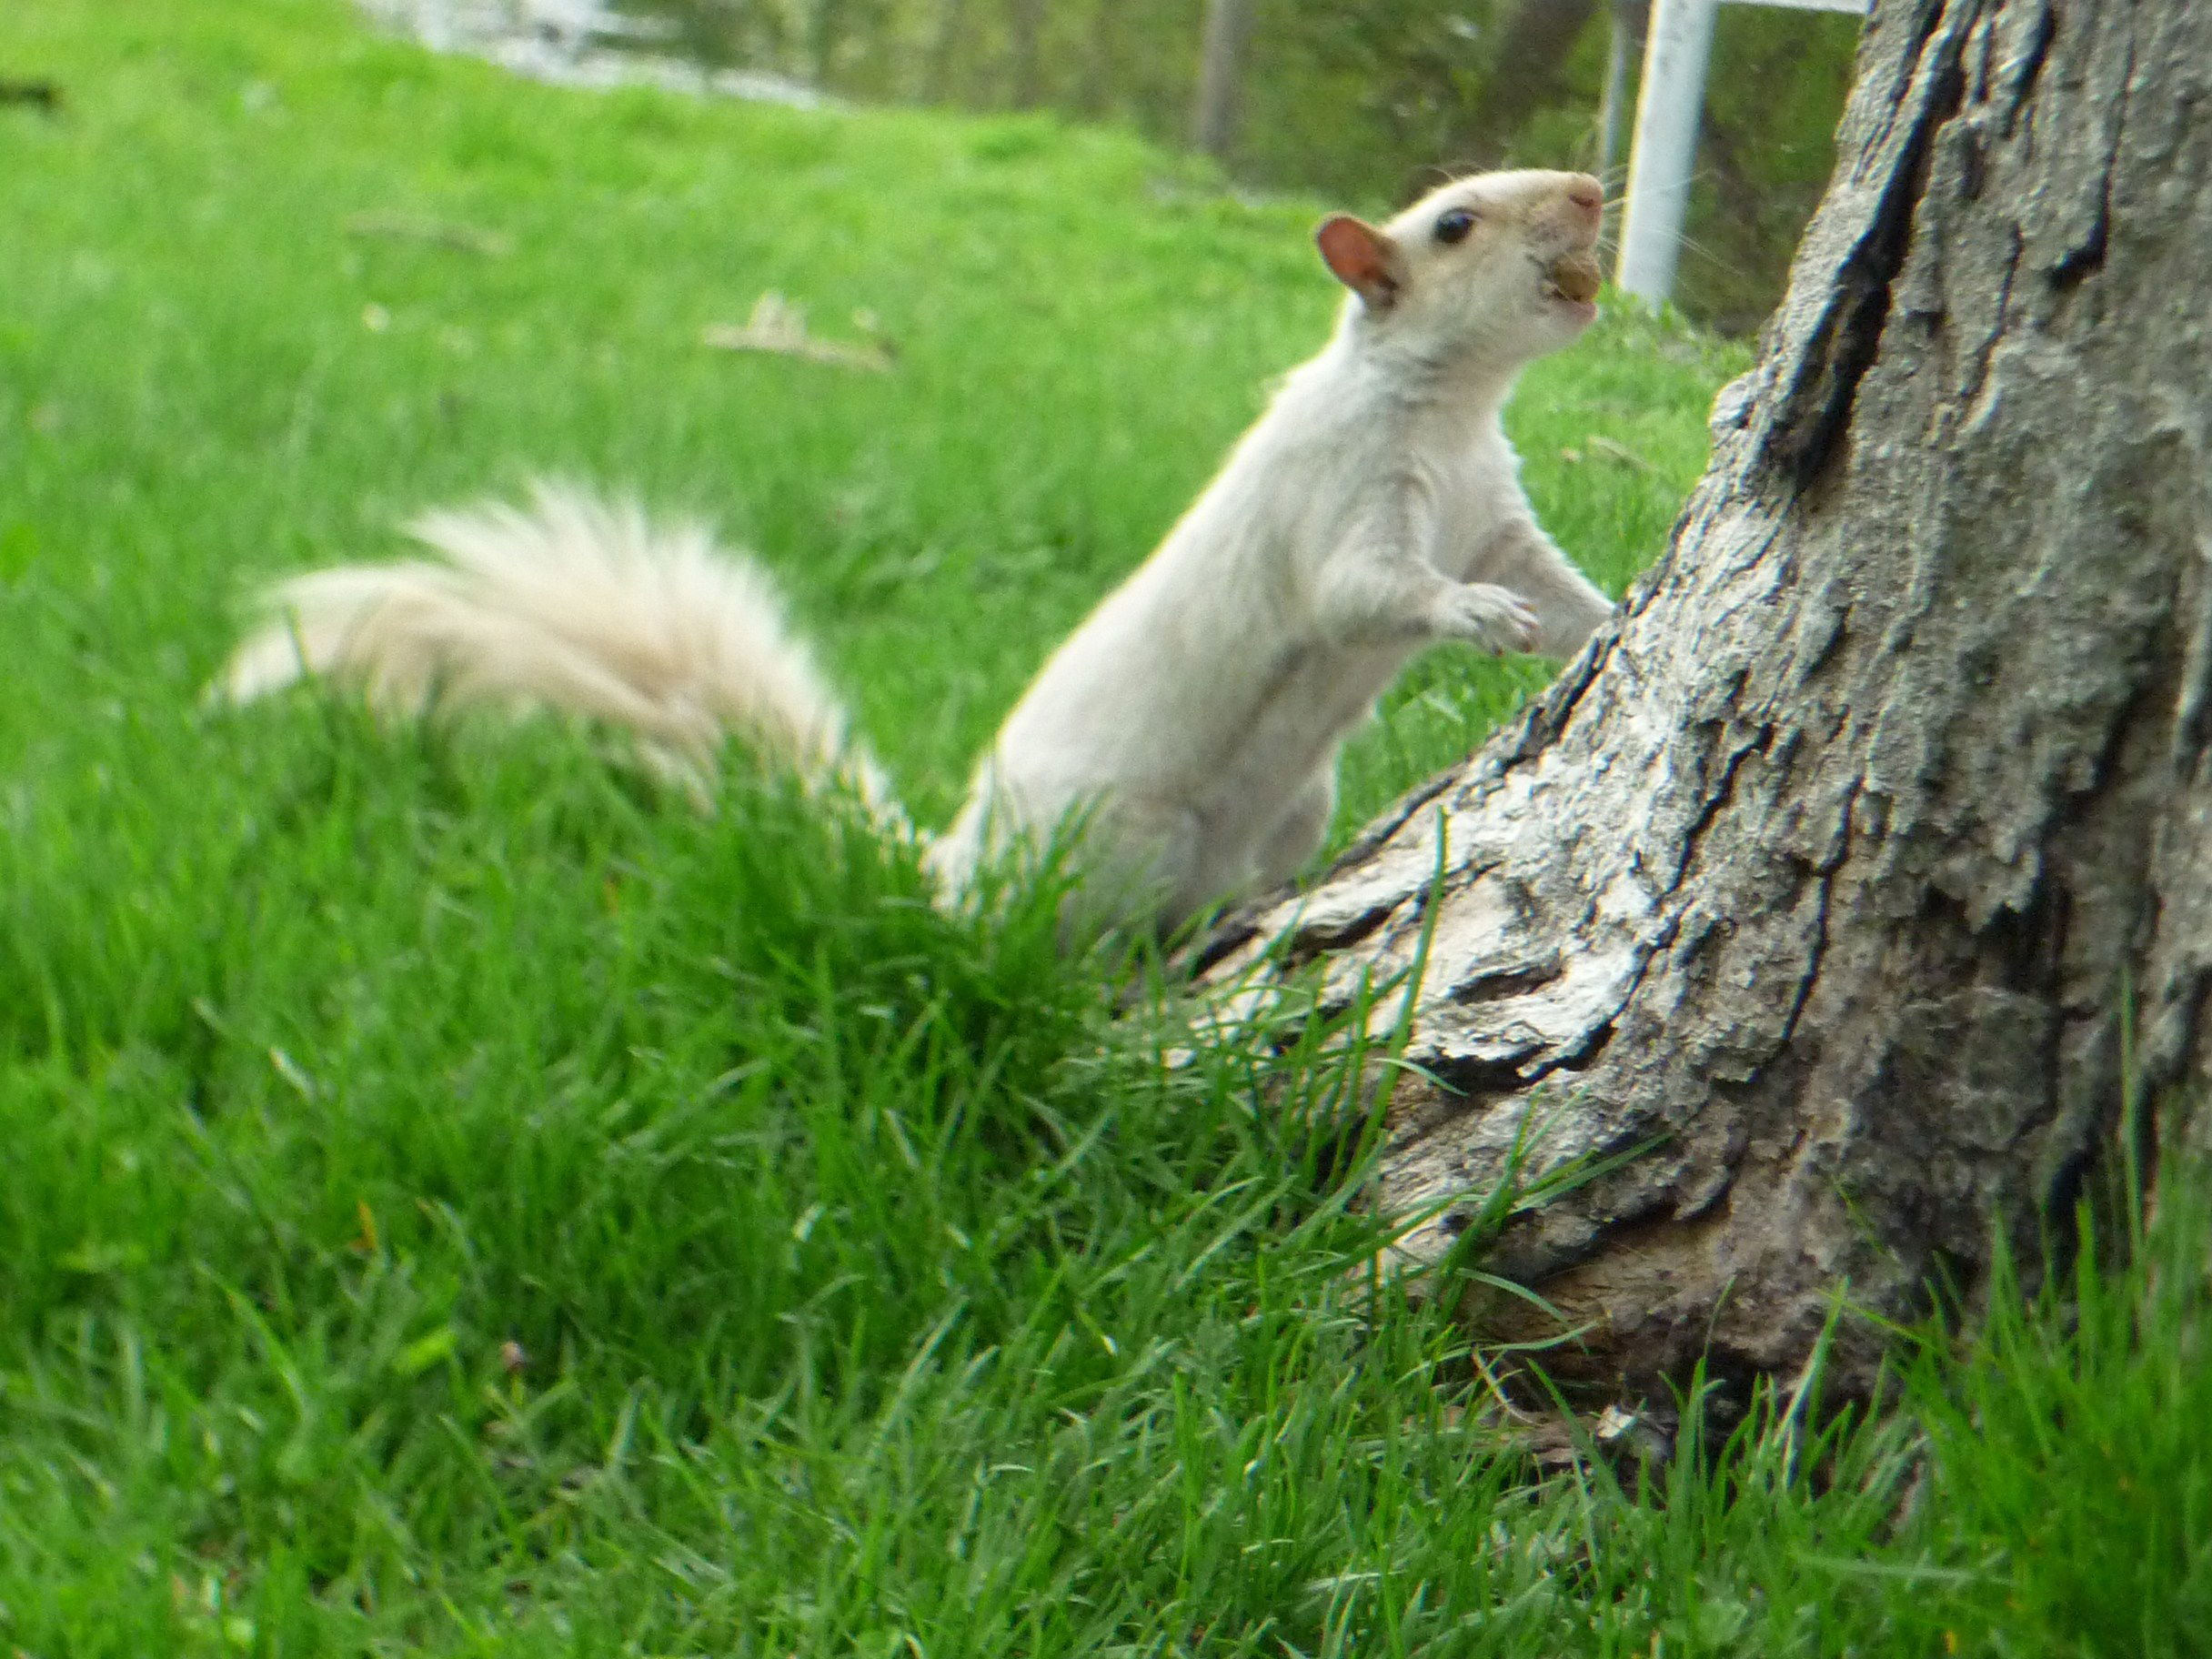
point(1497, 265)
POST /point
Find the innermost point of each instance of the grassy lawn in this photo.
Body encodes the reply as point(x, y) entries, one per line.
point(459, 1201)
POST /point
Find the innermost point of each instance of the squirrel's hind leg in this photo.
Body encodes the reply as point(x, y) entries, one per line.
point(1139, 866)
point(1299, 833)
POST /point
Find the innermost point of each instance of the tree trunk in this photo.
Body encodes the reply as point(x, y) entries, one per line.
point(1852, 871)
point(951, 23)
point(825, 35)
point(1214, 116)
point(1104, 74)
point(1027, 28)
point(1525, 77)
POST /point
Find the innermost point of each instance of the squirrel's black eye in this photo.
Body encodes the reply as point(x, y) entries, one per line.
point(1454, 226)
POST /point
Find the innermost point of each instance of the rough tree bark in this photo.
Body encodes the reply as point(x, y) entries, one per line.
point(1851, 864)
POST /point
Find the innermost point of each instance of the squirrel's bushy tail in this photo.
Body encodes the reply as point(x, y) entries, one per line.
point(575, 605)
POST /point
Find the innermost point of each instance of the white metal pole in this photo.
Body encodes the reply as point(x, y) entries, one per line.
point(1668, 106)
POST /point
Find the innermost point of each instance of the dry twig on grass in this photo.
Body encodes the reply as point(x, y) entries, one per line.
point(779, 326)
point(410, 228)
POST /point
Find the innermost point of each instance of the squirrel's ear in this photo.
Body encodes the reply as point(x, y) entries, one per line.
point(1362, 258)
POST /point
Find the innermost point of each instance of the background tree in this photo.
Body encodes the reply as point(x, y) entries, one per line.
point(1527, 71)
point(1846, 887)
point(1358, 99)
point(1221, 63)
point(1026, 22)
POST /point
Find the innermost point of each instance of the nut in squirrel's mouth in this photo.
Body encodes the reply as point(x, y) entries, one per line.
point(1574, 277)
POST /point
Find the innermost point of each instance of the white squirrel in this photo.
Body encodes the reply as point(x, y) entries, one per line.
point(1191, 722)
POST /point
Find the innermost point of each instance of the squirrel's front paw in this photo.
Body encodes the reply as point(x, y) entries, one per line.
point(1496, 618)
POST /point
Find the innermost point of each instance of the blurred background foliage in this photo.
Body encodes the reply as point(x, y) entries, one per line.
point(1364, 100)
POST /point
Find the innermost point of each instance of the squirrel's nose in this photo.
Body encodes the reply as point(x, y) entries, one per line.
point(1585, 192)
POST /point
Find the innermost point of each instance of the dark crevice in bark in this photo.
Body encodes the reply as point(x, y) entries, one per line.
point(2177, 663)
point(2191, 737)
point(1926, 22)
point(1480, 1080)
point(2071, 1178)
point(2111, 766)
point(1814, 957)
point(2177, 648)
point(1717, 800)
point(1579, 1055)
point(1393, 819)
point(1220, 942)
point(2086, 257)
point(1510, 981)
point(1544, 718)
point(1978, 376)
point(2027, 69)
point(1314, 941)
point(1496, 1077)
point(1814, 411)
point(2185, 996)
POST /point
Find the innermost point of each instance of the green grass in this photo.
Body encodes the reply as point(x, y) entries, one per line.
point(459, 1201)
